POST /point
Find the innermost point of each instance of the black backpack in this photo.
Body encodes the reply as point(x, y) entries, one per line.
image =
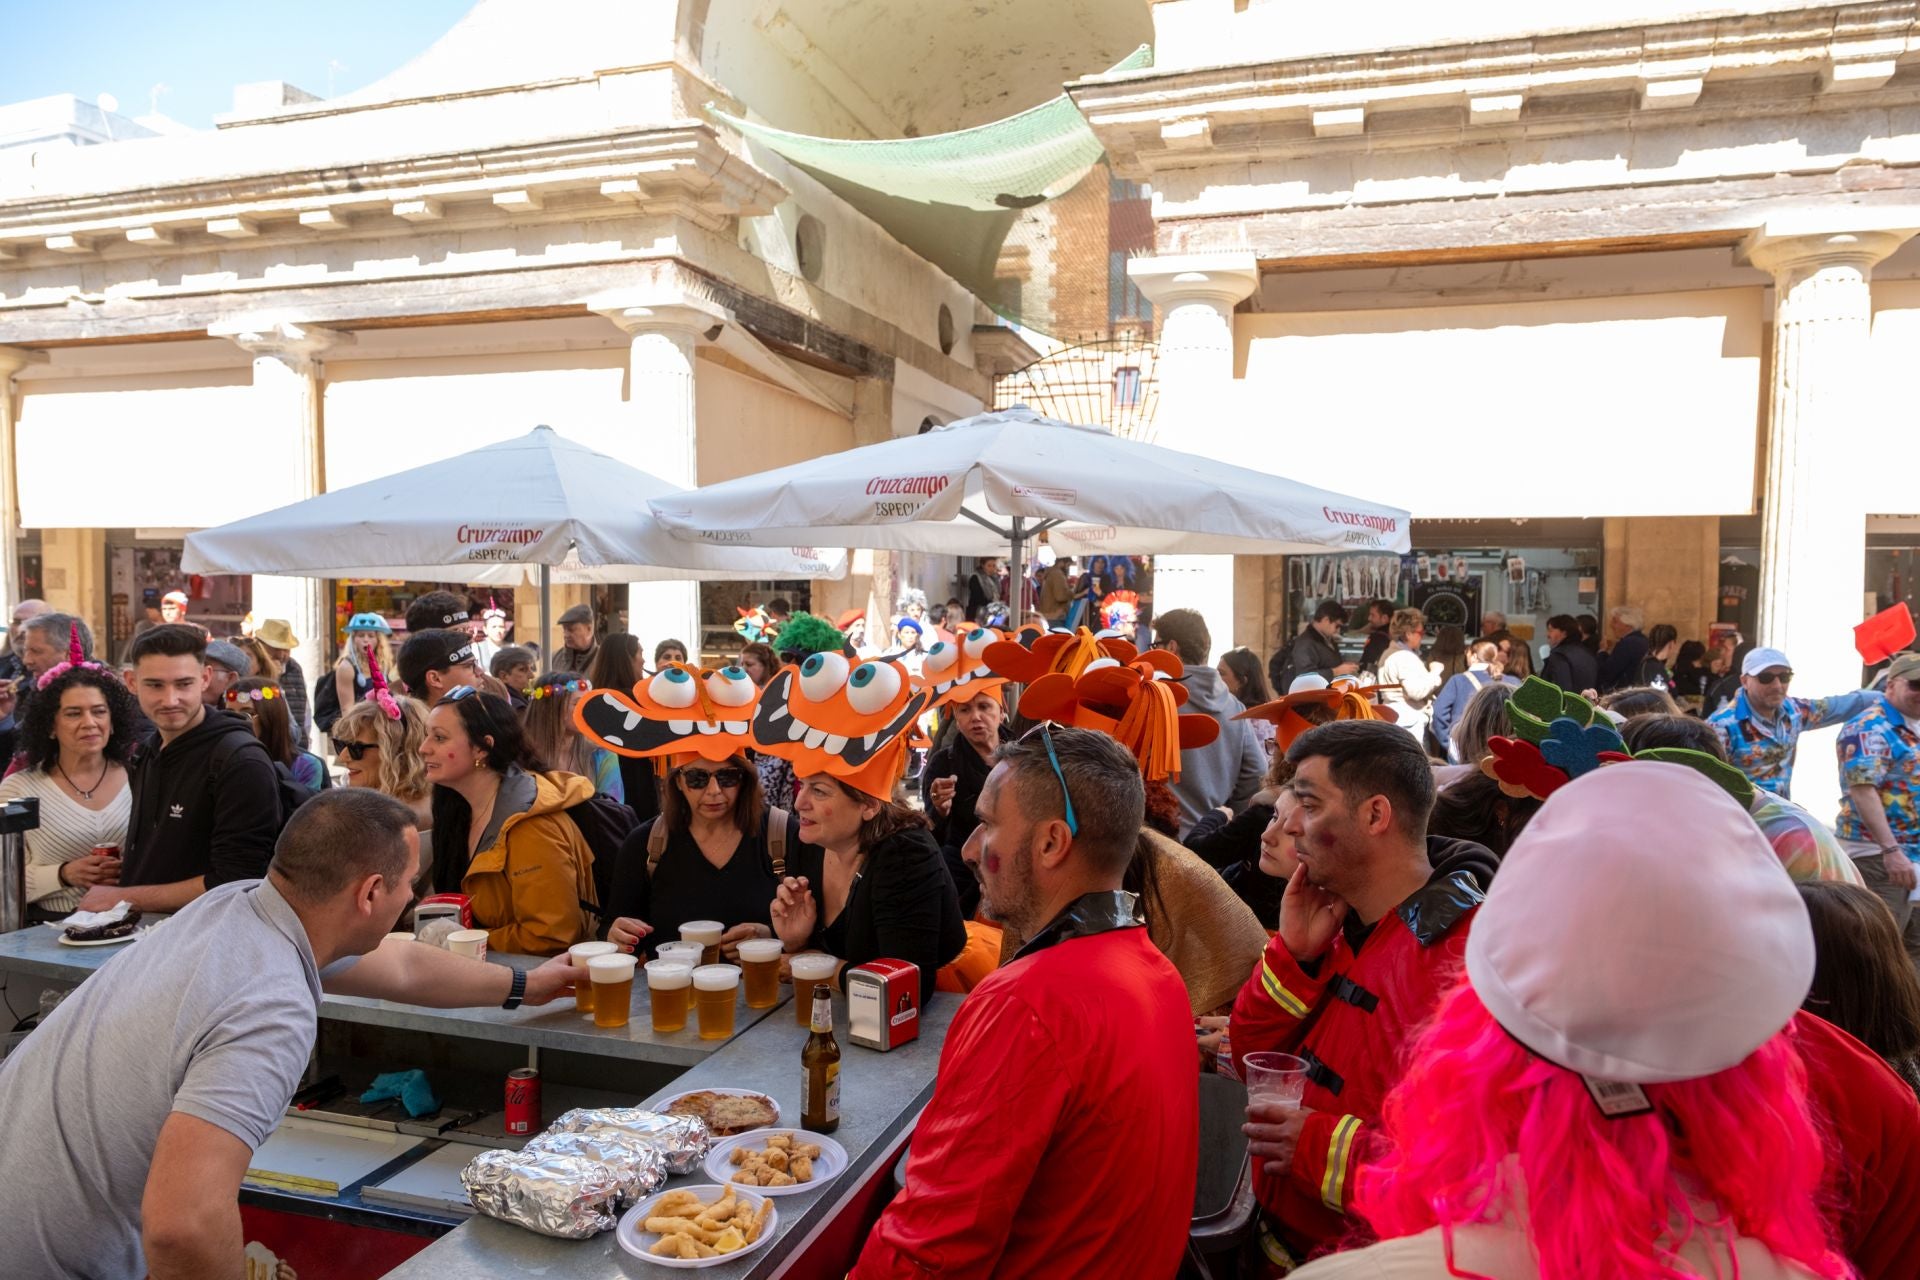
point(604, 824)
point(287, 789)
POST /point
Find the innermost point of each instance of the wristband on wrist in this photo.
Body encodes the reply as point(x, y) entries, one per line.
point(518, 991)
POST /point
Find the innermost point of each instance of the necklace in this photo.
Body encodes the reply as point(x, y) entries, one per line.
point(85, 793)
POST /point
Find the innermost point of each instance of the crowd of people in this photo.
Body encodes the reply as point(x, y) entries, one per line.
point(1573, 985)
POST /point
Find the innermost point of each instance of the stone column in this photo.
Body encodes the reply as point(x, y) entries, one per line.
point(1813, 540)
point(12, 360)
point(1194, 297)
point(288, 384)
point(663, 331)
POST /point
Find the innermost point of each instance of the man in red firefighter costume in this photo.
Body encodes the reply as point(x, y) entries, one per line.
point(1373, 927)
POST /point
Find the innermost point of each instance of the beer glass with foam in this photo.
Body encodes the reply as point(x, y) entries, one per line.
point(612, 978)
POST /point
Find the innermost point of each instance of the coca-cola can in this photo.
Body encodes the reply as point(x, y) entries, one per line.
point(106, 851)
point(523, 1100)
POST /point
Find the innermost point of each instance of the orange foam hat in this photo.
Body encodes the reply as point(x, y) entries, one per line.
point(1138, 705)
point(1056, 653)
point(956, 672)
point(848, 721)
point(1345, 700)
point(683, 713)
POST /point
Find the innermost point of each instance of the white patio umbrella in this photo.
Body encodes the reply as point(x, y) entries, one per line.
point(538, 509)
point(985, 485)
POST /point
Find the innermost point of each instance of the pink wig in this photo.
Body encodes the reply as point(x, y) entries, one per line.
point(1482, 1128)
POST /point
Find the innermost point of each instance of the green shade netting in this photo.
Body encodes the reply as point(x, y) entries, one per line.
point(962, 199)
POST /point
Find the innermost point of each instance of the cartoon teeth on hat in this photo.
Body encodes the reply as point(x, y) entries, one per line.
point(829, 716)
point(682, 710)
point(956, 672)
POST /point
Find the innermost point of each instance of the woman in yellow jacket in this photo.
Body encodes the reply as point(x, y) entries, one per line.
point(501, 834)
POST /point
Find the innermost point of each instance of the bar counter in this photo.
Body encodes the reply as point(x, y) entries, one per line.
point(466, 1052)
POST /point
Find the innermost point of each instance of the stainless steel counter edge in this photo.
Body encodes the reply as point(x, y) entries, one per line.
point(38, 952)
point(882, 1095)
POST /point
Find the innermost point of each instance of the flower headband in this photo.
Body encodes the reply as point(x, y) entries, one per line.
point(381, 695)
point(76, 657)
point(554, 688)
point(267, 694)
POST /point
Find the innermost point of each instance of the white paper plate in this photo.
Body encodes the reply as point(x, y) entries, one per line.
point(636, 1239)
point(666, 1104)
point(65, 941)
point(831, 1164)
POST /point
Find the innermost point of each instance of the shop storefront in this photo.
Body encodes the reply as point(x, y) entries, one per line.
point(143, 565)
point(1457, 573)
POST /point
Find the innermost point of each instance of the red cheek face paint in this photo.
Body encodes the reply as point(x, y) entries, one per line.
point(991, 863)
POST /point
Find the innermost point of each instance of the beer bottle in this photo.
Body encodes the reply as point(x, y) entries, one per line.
point(820, 1067)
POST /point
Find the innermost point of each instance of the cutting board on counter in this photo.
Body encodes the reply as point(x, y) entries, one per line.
point(432, 1183)
point(318, 1157)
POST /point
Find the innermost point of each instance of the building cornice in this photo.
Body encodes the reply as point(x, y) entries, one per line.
point(1155, 121)
point(682, 169)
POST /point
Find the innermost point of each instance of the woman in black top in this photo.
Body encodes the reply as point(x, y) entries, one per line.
point(951, 783)
point(1663, 645)
point(868, 883)
point(716, 852)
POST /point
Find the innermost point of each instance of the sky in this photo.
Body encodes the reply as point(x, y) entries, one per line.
point(200, 49)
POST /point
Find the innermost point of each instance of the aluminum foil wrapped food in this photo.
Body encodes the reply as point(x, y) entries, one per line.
point(557, 1195)
point(638, 1166)
point(681, 1140)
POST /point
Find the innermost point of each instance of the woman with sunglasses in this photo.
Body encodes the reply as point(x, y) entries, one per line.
point(716, 852)
point(380, 748)
point(501, 834)
point(265, 707)
point(556, 744)
point(869, 880)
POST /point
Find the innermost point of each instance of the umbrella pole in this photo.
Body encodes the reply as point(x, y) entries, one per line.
point(1014, 570)
point(546, 615)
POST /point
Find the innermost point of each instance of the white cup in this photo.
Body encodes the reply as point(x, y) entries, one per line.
point(687, 953)
point(468, 942)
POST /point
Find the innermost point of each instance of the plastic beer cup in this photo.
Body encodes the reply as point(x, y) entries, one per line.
point(716, 990)
point(612, 978)
point(707, 934)
point(668, 986)
point(577, 955)
point(760, 971)
point(810, 968)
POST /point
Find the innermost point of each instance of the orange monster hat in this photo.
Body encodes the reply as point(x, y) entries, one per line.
point(1345, 700)
point(1056, 652)
point(956, 672)
point(827, 715)
point(1138, 705)
point(682, 713)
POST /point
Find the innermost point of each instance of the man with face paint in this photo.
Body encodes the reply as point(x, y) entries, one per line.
point(1372, 929)
point(1064, 1130)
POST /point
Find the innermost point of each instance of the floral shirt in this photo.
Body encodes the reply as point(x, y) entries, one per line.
point(1879, 749)
point(1765, 752)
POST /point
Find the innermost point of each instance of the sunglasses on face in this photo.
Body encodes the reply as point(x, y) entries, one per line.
point(458, 692)
point(1773, 677)
point(353, 750)
point(1045, 730)
point(697, 779)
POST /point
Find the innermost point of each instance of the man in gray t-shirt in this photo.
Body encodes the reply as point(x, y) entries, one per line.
point(132, 1113)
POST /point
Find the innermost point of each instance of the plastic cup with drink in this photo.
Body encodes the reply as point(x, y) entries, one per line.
point(577, 955)
point(668, 986)
point(612, 978)
point(809, 968)
point(468, 942)
point(716, 990)
point(760, 971)
point(1274, 1077)
point(707, 933)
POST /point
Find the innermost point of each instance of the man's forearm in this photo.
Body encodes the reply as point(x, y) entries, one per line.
point(1873, 815)
point(412, 973)
point(164, 897)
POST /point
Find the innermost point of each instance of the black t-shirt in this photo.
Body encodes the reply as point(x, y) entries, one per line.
point(685, 886)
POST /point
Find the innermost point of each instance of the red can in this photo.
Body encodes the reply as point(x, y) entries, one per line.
point(106, 851)
point(523, 1100)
